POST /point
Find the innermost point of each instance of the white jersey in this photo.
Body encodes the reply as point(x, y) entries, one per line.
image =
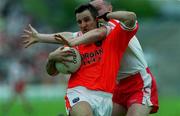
point(133, 60)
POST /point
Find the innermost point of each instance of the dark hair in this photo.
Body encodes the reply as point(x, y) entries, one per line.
point(108, 2)
point(89, 7)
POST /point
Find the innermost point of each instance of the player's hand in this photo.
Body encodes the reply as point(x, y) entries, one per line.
point(104, 16)
point(61, 56)
point(62, 40)
point(29, 36)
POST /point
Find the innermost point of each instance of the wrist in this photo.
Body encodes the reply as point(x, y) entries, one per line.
point(39, 37)
point(105, 16)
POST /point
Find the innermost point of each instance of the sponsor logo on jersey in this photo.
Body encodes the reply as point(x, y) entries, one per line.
point(92, 57)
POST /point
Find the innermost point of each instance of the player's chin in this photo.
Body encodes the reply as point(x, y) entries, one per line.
point(85, 31)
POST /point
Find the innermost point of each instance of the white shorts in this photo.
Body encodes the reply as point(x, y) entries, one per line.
point(101, 102)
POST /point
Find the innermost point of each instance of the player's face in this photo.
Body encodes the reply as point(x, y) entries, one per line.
point(101, 6)
point(85, 21)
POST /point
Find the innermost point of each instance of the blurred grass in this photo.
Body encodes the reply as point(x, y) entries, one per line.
point(169, 106)
point(40, 108)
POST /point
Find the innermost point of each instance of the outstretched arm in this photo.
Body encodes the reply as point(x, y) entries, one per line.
point(31, 36)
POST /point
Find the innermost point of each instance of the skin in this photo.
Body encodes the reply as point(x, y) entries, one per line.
point(101, 6)
point(85, 21)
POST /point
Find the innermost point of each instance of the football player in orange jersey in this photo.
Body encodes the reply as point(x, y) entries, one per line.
point(92, 85)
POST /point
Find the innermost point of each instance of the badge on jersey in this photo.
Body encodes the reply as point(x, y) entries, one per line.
point(75, 100)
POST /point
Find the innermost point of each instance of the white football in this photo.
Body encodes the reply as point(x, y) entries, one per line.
point(72, 66)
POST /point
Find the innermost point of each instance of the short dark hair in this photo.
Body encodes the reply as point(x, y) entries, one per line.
point(89, 7)
point(107, 2)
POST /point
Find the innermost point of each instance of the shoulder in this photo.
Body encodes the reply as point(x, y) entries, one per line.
point(113, 23)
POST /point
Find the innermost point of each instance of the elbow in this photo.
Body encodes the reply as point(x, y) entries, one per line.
point(132, 19)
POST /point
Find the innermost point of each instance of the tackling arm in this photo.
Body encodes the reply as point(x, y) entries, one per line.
point(128, 18)
point(89, 37)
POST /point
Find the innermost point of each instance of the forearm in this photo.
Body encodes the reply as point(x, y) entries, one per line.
point(128, 18)
point(90, 37)
point(50, 38)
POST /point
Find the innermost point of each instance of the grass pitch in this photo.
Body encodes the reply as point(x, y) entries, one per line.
point(168, 107)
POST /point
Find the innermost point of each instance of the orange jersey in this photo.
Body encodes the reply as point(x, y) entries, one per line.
point(100, 60)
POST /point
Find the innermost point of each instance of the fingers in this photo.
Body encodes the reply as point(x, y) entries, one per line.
point(64, 53)
point(32, 29)
point(25, 36)
point(29, 36)
point(67, 60)
point(62, 56)
point(62, 48)
point(61, 39)
point(27, 44)
point(26, 41)
point(63, 60)
point(27, 31)
point(69, 53)
point(65, 42)
point(58, 38)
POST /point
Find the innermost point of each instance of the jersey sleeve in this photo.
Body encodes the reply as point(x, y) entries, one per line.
point(130, 32)
point(120, 36)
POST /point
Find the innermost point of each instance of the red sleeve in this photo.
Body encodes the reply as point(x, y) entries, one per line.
point(120, 37)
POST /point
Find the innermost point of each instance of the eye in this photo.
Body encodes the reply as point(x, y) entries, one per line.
point(79, 21)
point(86, 19)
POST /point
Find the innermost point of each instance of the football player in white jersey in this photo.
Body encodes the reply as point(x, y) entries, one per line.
point(135, 93)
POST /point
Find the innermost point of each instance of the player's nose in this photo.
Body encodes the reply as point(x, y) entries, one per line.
point(83, 24)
